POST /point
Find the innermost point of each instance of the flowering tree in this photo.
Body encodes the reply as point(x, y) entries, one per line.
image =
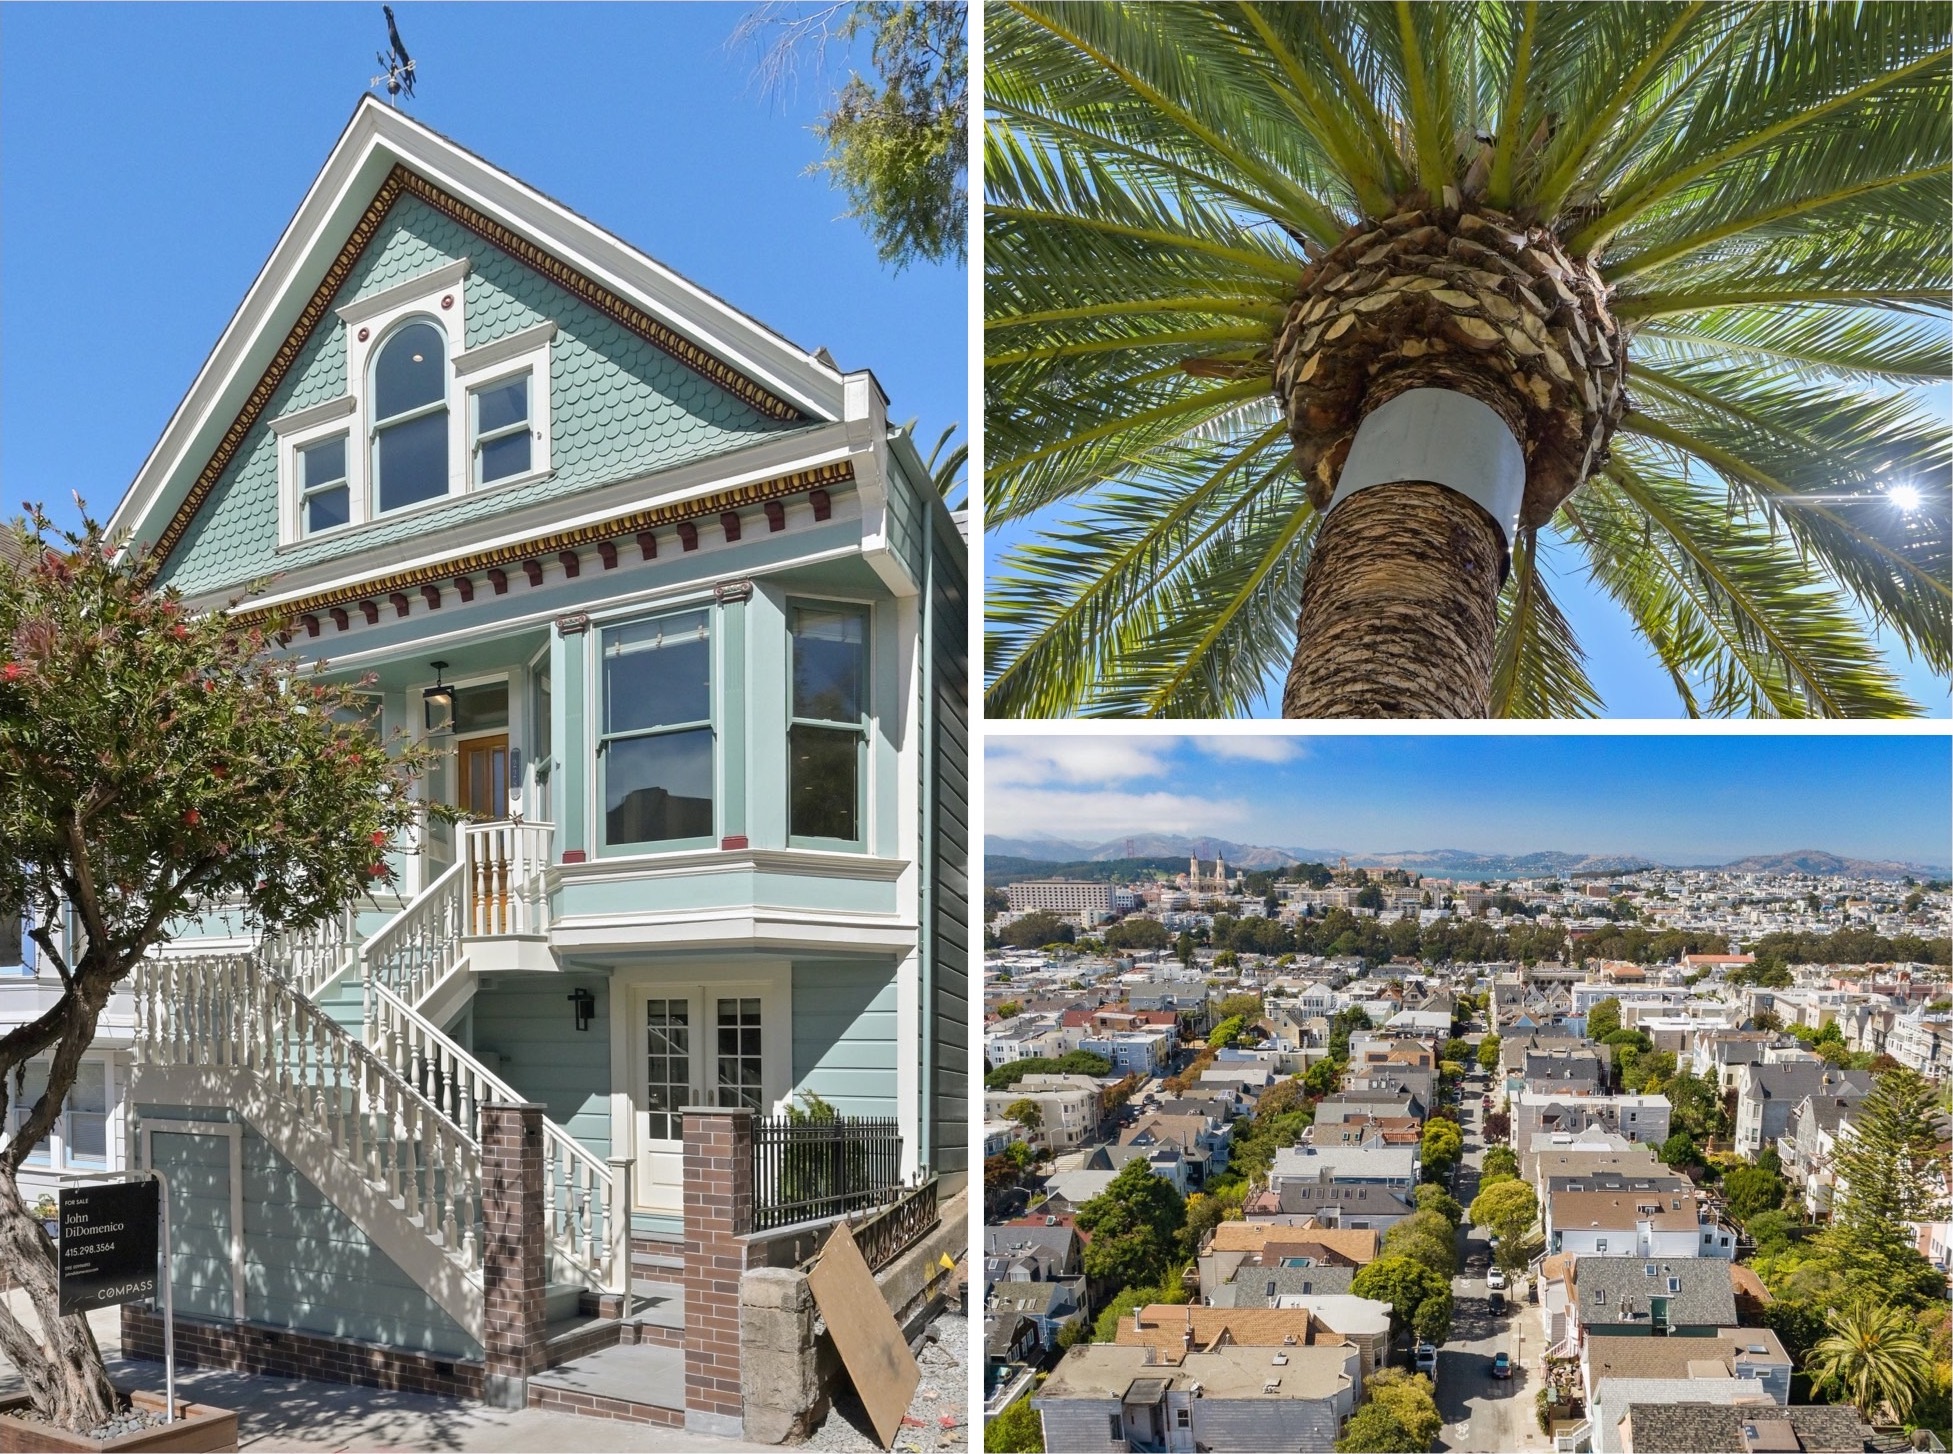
point(155, 764)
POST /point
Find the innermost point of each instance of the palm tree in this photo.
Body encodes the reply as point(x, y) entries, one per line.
point(1637, 286)
point(1875, 1357)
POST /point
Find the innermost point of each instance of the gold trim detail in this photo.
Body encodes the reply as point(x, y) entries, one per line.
point(624, 526)
point(603, 300)
point(527, 253)
point(315, 311)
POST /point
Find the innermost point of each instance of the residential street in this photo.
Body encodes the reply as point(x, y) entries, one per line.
point(1482, 1413)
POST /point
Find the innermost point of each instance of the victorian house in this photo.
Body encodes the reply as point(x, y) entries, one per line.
point(684, 617)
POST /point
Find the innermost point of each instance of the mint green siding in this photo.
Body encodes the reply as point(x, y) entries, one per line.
point(525, 1027)
point(306, 1265)
point(722, 889)
point(619, 407)
point(844, 1034)
point(198, 1168)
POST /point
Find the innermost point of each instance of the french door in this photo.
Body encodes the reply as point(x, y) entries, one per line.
point(698, 1046)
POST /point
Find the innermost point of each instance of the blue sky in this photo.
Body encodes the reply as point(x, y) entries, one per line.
point(150, 155)
point(1671, 797)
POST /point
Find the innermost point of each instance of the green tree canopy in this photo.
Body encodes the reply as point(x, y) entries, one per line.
point(1890, 1164)
point(1488, 1053)
point(1507, 1209)
point(1604, 1018)
point(1401, 1413)
point(1752, 1190)
point(1027, 1113)
point(1017, 1430)
point(156, 765)
point(1136, 933)
point(1036, 930)
point(1427, 1236)
point(1135, 1225)
point(1437, 1199)
point(1406, 1284)
point(1498, 1161)
point(1874, 1358)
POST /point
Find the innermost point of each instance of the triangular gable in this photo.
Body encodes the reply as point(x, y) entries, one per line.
point(383, 157)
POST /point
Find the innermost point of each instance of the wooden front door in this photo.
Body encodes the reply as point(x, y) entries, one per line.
point(484, 785)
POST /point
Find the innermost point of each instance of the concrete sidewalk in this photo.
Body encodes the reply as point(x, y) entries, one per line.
point(297, 1414)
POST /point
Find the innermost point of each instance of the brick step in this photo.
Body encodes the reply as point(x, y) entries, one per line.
point(636, 1384)
point(569, 1338)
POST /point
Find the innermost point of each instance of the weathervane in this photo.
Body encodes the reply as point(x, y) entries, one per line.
point(399, 65)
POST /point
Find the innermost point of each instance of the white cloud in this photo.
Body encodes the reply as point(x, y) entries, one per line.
point(1253, 749)
point(1029, 762)
point(1031, 810)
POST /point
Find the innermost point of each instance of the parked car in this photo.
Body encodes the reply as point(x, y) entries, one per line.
point(1501, 1365)
point(1495, 1279)
point(1426, 1359)
point(1496, 1302)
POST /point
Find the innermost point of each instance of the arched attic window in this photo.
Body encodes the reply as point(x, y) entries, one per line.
point(410, 417)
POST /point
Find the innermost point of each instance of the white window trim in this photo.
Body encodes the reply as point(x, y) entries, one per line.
point(440, 296)
point(524, 354)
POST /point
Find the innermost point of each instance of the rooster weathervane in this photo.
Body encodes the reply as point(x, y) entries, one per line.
point(399, 65)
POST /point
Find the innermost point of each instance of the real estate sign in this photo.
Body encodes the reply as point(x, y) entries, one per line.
point(108, 1244)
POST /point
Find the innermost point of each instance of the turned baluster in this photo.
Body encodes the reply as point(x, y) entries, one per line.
point(450, 1220)
point(586, 1217)
point(470, 1208)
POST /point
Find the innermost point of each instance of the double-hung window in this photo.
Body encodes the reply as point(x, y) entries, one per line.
point(658, 762)
point(325, 496)
point(827, 732)
point(410, 418)
point(501, 429)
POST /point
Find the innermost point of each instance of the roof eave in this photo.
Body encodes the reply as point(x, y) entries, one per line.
point(375, 140)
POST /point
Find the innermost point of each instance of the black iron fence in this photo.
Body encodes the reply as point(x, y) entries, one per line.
point(805, 1169)
point(887, 1232)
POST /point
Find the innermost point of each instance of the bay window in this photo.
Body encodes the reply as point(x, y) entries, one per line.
point(827, 733)
point(657, 744)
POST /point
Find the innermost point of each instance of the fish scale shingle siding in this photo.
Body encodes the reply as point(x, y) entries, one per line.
point(619, 406)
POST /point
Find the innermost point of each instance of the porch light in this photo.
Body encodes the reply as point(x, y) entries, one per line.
point(586, 1006)
point(437, 702)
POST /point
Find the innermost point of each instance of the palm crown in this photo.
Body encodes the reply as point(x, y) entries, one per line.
point(1753, 198)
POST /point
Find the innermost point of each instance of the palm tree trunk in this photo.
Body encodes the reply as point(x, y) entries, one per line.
point(1399, 608)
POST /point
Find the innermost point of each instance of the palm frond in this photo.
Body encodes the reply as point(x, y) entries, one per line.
point(1754, 633)
point(1057, 616)
point(1853, 344)
point(1819, 96)
point(1539, 669)
point(1819, 469)
point(1078, 621)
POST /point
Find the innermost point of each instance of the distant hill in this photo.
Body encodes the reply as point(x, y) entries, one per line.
point(1817, 861)
point(1142, 852)
point(1175, 846)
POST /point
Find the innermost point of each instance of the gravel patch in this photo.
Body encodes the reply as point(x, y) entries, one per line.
point(131, 1421)
point(939, 1414)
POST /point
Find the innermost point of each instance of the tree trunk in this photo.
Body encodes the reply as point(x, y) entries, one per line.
point(62, 1370)
point(1399, 608)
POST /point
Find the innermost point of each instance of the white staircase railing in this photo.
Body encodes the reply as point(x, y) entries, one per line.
point(588, 1227)
point(418, 947)
point(235, 1013)
point(312, 958)
point(505, 863)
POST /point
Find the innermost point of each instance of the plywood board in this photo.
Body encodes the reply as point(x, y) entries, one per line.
point(865, 1333)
